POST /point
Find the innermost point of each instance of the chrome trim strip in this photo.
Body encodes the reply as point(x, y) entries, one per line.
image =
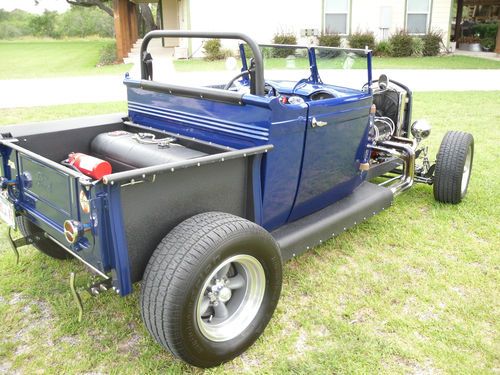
point(243, 134)
point(190, 117)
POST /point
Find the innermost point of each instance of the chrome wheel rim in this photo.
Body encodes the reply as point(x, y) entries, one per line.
point(466, 172)
point(230, 298)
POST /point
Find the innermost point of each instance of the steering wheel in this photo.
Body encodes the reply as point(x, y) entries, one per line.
point(271, 89)
point(232, 80)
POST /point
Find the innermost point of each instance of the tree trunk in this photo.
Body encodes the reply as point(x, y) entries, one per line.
point(158, 16)
point(147, 17)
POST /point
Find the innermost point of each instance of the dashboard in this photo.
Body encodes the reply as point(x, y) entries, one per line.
point(292, 92)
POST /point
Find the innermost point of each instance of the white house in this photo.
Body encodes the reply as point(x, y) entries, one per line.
point(262, 19)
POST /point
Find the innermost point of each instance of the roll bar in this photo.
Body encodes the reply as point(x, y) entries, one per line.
point(259, 65)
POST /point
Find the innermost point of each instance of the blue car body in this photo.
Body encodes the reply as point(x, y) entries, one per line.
point(293, 167)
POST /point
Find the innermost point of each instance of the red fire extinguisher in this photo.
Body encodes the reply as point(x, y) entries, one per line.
point(89, 165)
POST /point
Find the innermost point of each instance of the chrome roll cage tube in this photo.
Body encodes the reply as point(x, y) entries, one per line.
point(403, 149)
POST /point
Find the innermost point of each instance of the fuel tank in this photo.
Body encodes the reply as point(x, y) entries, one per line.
point(125, 150)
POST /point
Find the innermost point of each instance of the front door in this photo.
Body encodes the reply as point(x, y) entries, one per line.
point(335, 140)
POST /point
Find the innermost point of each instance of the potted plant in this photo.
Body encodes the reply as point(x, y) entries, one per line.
point(453, 46)
point(488, 44)
point(470, 43)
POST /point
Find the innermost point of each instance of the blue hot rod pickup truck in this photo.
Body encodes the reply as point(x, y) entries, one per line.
point(203, 192)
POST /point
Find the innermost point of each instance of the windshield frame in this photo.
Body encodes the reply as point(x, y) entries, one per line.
point(314, 77)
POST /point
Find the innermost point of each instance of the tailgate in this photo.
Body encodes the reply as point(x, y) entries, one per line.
point(52, 193)
point(44, 191)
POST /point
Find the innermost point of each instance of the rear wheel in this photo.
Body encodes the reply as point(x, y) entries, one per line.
point(453, 167)
point(211, 287)
point(45, 245)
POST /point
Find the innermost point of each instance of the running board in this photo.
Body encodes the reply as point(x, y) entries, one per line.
point(299, 236)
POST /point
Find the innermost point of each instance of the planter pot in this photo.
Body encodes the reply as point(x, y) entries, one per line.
point(472, 47)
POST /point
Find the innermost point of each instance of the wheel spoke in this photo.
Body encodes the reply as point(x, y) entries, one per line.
point(223, 271)
point(205, 304)
point(220, 311)
point(236, 282)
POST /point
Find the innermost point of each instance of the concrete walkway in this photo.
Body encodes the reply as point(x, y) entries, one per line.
point(67, 90)
point(94, 89)
point(483, 55)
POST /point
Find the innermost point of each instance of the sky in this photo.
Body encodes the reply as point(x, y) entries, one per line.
point(29, 5)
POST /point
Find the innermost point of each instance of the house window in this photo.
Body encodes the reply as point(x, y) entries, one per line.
point(336, 16)
point(418, 16)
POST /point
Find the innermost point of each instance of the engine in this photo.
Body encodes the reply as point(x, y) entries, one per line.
point(395, 145)
point(383, 129)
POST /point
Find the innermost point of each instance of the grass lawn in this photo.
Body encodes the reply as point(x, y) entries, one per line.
point(34, 114)
point(412, 290)
point(52, 58)
point(439, 62)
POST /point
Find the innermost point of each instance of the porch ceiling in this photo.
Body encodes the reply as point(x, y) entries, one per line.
point(481, 2)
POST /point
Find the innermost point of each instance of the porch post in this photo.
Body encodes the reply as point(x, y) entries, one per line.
point(122, 22)
point(497, 49)
point(458, 27)
point(134, 30)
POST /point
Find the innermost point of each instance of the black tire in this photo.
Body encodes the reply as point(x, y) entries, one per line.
point(176, 280)
point(46, 246)
point(453, 167)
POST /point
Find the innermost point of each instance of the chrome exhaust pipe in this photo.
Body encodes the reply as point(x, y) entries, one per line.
point(405, 152)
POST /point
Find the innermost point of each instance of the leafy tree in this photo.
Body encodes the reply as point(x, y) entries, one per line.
point(103, 5)
point(148, 21)
point(45, 24)
point(80, 22)
point(14, 24)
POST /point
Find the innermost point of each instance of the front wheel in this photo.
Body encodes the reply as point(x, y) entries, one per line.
point(211, 287)
point(453, 167)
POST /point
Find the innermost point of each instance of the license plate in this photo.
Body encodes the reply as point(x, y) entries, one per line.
point(7, 213)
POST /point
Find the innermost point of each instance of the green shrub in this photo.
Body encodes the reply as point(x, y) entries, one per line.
point(384, 48)
point(284, 38)
point(267, 52)
point(248, 51)
point(361, 40)
point(213, 50)
point(107, 54)
point(486, 30)
point(401, 43)
point(9, 31)
point(432, 43)
point(225, 53)
point(329, 40)
point(417, 47)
